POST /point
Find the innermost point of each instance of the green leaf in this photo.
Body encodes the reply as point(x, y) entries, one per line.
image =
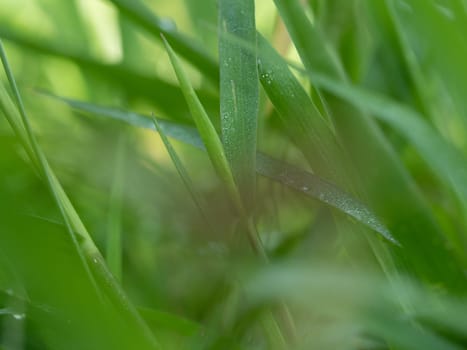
point(188, 48)
point(300, 117)
point(446, 160)
point(205, 128)
point(409, 220)
point(195, 196)
point(169, 321)
point(286, 174)
point(239, 92)
point(436, 62)
point(90, 257)
point(215, 150)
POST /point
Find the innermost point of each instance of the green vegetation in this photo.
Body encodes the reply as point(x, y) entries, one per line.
point(233, 174)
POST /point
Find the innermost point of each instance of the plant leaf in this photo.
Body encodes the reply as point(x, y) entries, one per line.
point(446, 160)
point(302, 181)
point(90, 257)
point(195, 196)
point(410, 221)
point(239, 92)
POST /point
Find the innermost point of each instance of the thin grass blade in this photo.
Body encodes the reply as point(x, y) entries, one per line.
point(182, 172)
point(205, 128)
point(90, 256)
point(410, 221)
point(286, 174)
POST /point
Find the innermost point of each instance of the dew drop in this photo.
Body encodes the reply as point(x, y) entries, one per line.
point(19, 316)
point(167, 24)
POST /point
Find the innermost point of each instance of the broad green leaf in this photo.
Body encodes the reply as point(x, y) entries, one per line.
point(239, 92)
point(386, 181)
point(286, 174)
point(188, 48)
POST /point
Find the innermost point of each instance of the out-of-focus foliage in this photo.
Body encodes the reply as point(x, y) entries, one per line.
point(358, 215)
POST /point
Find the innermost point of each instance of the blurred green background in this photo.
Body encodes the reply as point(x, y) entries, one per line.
point(399, 119)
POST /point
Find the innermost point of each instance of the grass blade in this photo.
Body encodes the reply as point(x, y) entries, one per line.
point(445, 160)
point(300, 117)
point(215, 150)
point(410, 221)
point(187, 48)
point(239, 92)
point(206, 130)
point(182, 172)
point(86, 249)
point(286, 174)
point(41, 162)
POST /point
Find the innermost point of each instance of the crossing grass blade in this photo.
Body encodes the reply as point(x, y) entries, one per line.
point(411, 220)
point(205, 128)
point(89, 255)
point(239, 92)
point(215, 150)
point(182, 172)
point(289, 176)
point(187, 48)
point(300, 117)
point(448, 162)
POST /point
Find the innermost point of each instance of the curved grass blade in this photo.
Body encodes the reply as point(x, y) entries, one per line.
point(446, 160)
point(182, 172)
point(409, 220)
point(205, 128)
point(214, 149)
point(188, 48)
point(299, 115)
point(86, 249)
point(302, 181)
point(239, 92)
point(42, 163)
